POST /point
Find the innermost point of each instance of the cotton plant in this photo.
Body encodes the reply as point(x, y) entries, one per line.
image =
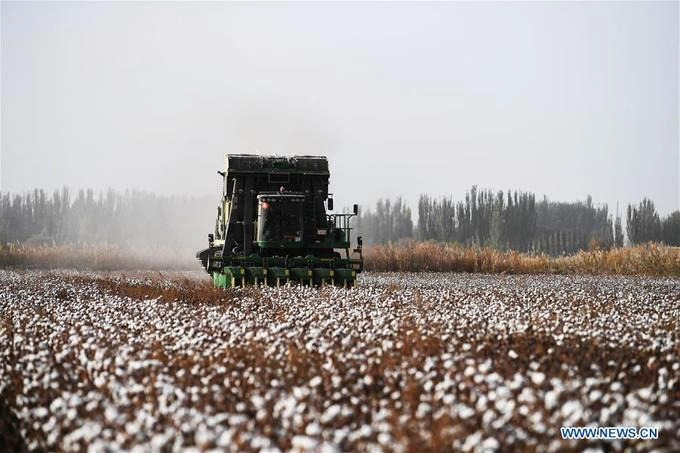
point(446, 361)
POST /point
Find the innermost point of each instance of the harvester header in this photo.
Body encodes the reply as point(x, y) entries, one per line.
point(273, 225)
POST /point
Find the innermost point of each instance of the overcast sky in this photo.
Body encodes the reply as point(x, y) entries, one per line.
point(563, 99)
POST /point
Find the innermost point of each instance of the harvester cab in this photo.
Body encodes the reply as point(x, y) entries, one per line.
point(273, 227)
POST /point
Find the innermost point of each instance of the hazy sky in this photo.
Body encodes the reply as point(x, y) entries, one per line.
point(563, 99)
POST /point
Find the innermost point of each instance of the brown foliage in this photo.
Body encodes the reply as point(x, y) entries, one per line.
point(648, 259)
point(185, 290)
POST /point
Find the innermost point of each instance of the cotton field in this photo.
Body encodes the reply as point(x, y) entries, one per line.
point(403, 362)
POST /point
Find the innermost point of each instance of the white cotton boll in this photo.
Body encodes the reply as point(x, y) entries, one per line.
point(313, 429)
point(50, 424)
point(485, 366)
point(488, 417)
point(340, 435)
point(304, 443)
point(505, 406)
point(481, 403)
point(537, 378)
point(300, 392)
point(384, 439)
point(423, 410)
point(464, 411)
point(490, 444)
point(159, 441)
point(595, 395)
point(449, 399)
point(204, 437)
point(571, 408)
point(591, 382)
point(257, 401)
point(58, 406)
point(472, 441)
point(364, 432)
point(526, 395)
point(429, 364)
point(224, 440)
point(330, 413)
point(552, 398)
point(326, 447)
point(71, 414)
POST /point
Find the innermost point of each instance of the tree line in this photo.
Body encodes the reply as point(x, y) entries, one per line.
point(516, 220)
point(127, 218)
point(512, 220)
point(643, 224)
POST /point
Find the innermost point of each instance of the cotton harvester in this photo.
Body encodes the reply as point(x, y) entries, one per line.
point(273, 227)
